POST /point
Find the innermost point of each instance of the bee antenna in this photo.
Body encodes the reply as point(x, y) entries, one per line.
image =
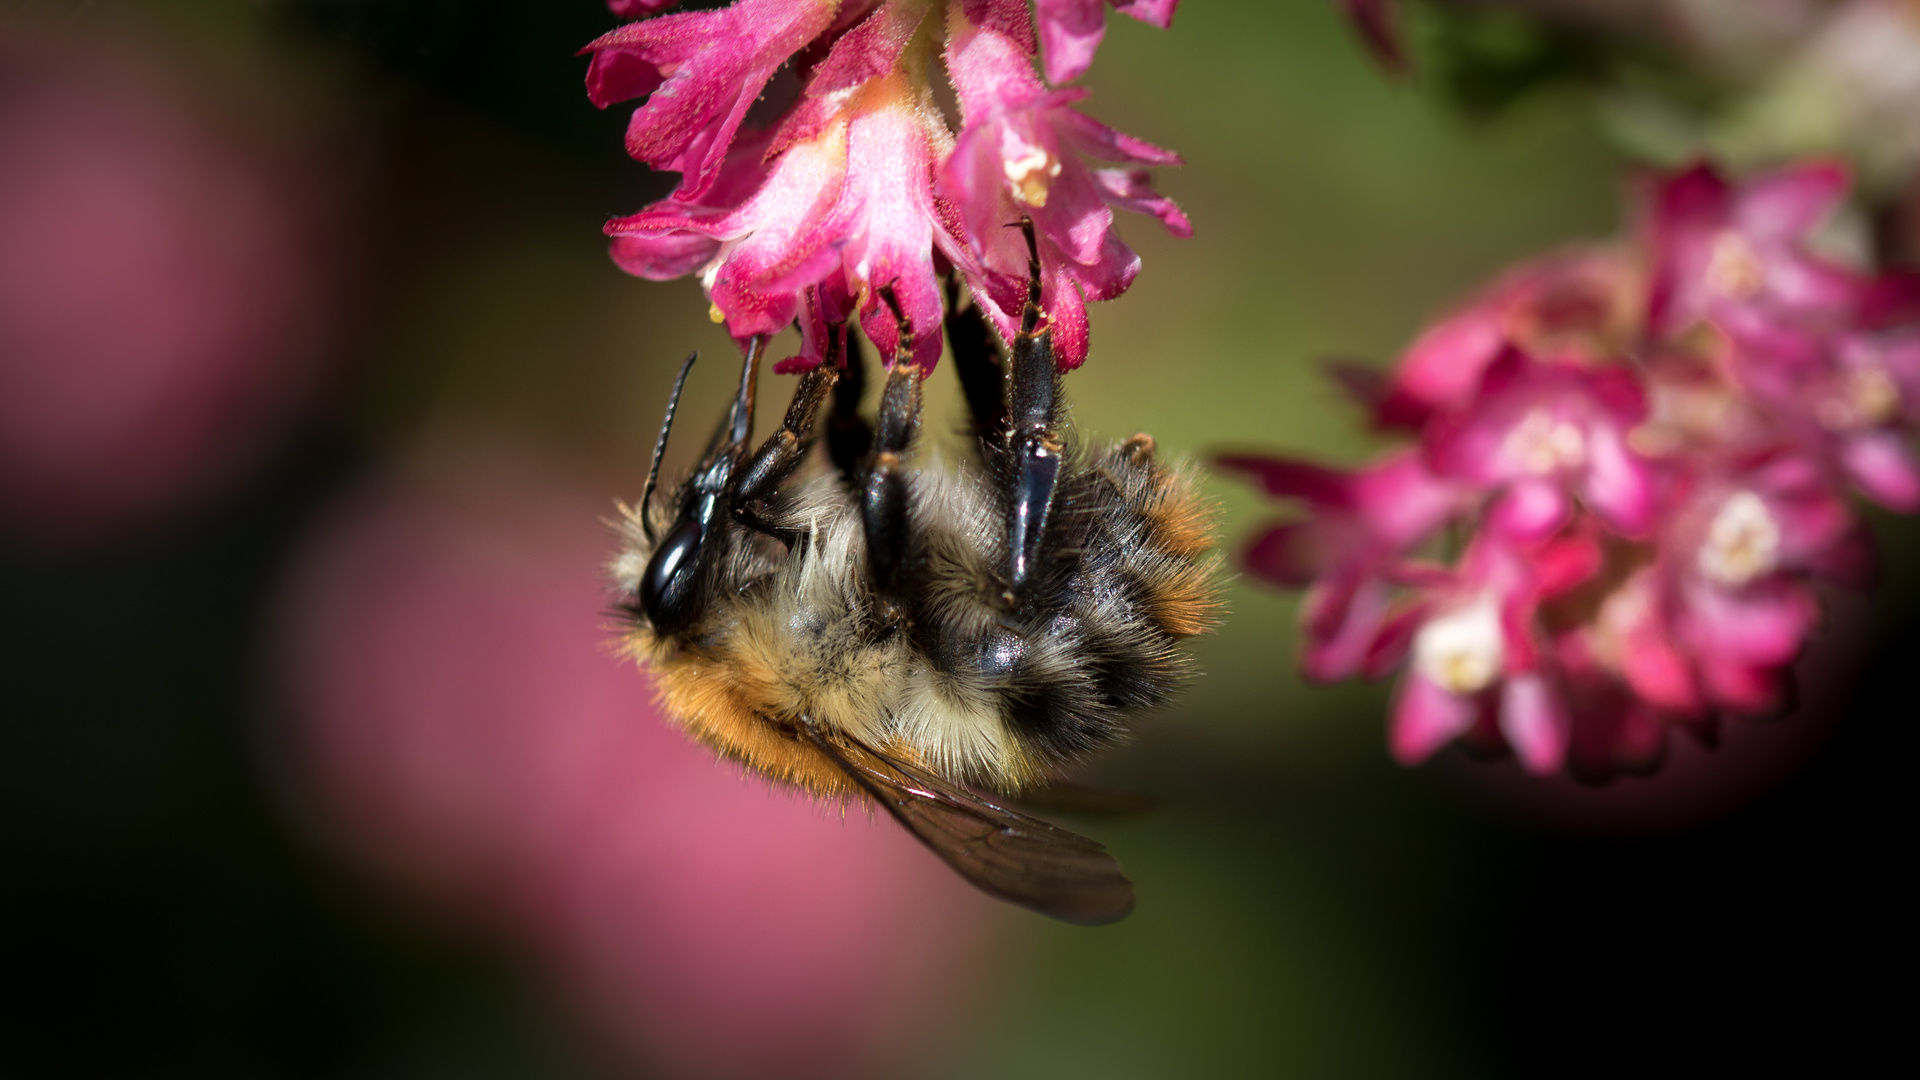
point(742, 425)
point(660, 445)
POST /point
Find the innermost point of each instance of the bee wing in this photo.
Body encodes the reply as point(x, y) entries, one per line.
point(1006, 853)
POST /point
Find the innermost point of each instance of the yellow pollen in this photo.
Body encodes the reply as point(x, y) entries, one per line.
point(714, 313)
point(1031, 174)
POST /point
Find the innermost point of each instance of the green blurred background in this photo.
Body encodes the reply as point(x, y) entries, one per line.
point(1307, 908)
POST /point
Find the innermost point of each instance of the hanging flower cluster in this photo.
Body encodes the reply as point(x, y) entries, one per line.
point(1632, 463)
point(862, 190)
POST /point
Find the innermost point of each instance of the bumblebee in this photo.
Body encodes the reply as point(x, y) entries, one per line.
point(939, 640)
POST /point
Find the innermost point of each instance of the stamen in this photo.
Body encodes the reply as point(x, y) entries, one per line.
point(1462, 651)
point(1733, 270)
point(1743, 542)
point(1540, 444)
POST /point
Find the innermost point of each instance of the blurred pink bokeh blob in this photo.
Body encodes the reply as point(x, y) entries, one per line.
point(465, 729)
point(163, 285)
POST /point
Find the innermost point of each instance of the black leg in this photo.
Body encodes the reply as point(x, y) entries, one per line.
point(786, 448)
point(848, 436)
point(1032, 448)
point(884, 492)
point(976, 356)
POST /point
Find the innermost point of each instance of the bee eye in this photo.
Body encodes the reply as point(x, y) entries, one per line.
point(671, 560)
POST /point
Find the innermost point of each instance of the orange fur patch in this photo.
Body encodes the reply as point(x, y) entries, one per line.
point(703, 697)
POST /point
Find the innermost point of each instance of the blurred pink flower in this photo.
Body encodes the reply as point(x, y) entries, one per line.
point(1479, 657)
point(861, 188)
point(1647, 470)
point(164, 286)
point(464, 730)
point(1349, 554)
point(1539, 434)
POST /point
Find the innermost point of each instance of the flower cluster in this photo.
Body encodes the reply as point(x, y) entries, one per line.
point(861, 196)
point(1633, 462)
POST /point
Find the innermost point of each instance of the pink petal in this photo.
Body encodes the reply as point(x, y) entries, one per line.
point(1070, 32)
point(869, 50)
point(663, 257)
point(990, 72)
point(702, 70)
point(1851, 560)
point(1152, 12)
point(890, 188)
point(1291, 554)
point(1658, 672)
point(1290, 478)
point(1066, 316)
point(1788, 204)
point(1444, 366)
point(1618, 483)
point(1535, 722)
point(1341, 617)
point(1096, 140)
point(1425, 718)
point(1008, 18)
point(1531, 510)
point(1390, 644)
point(1566, 564)
point(1133, 190)
point(1882, 463)
point(1402, 499)
point(1765, 624)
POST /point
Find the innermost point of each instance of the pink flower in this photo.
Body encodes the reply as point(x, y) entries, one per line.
point(700, 71)
point(1023, 152)
point(463, 731)
point(166, 286)
point(1649, 471)
point(1737, 258)
point(848, 210)
point(861, 189)
point(1480, 665)
point(1070, 30)
point(1538, 434)
point(1581, 307)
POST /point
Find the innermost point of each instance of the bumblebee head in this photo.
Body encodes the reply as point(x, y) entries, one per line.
point(670, 593)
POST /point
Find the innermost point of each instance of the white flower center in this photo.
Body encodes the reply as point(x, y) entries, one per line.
point(1030, 170)
point(1733, 270)
point(1743, 542)
point(1462, 650)
point(1541, 444)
